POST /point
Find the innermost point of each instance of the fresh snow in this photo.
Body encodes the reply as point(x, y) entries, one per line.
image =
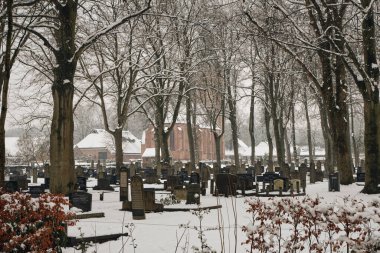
point(161, 232)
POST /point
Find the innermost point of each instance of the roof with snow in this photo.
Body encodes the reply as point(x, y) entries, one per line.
point(149, 152)
point(11, 147)
point(100, 138)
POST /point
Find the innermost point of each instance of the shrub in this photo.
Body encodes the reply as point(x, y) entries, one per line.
point(32, 224)
point(309, 225)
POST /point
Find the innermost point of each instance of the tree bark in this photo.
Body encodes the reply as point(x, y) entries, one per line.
point(190, 135)
point(295, 156)
point(309, 142)
point(62, 173)
point(119, 154)
point(252, 123)
point(269, 139)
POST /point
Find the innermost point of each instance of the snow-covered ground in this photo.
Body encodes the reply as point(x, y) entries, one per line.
point(162, 232)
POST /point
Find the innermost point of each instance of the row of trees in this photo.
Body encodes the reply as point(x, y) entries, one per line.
point(167, 59)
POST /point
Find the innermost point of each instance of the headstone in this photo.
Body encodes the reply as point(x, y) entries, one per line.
point(303, 171)
point(22, 182)
point(104, 185)
point(277, 169)
point(292, 167)
point(193, 194)
point(132, 169)
point(334, 182)
point(195, 178)
point(150, 204)
point(205, 173)
point(251, 170)
point(278, 184)
point(123, 184)
point(188, 168)
point(285, 171)
point(172, 182)
point(226, 184)
point(295, 185)
point(362, 163)
point(359, 170)
point(36, 190)
point(34, 175)
point(82, 183)
point(81, 200)
point(138, 211)
point(313, 178)
point(47, 170)
point(360, 177)
point(11, 186)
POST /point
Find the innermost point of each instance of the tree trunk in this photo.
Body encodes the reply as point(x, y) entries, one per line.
point(288, 149)
point(195, 133)
point(157, 146)
point(372, 143)
point(252, 124)
point(119, 155)
point(295, 156)
point(217, 139)
point(5, 73)
point(354, 145)
point(165, 146)
point(190, 135)
point(309, 142)
point(269, 139)
point(62, 172)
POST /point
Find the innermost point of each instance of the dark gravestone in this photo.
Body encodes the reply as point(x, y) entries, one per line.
point(40, 174)
point(277, 169)
point(303, 171)
point(22, 182)
point(226, 184)
point(319, 176)
point(103, 185)
point(226, 170)
point(183, 176)
point(11, 186)
point(360, 177)
point(123, 184)
point(138, 211)
point(193, 194)
point(172, 182)
point(81, 200)
point(285, 171)
point(359, 170)
point(150, 204)
point(36, 191)
point(47, 182)
point(312, 173)
point(245, 182)
point(334, 182)
point(82, 183)
point(195, 178)
point(251, 170)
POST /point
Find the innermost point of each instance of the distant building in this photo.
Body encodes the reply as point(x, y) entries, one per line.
point(99, 145)
point(11, 150)
point(178, 144)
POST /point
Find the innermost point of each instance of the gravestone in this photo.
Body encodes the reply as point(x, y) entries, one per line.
point(362, 163)
point(360, 177)
point(251, 170)
point(278, 184)
point(150, 204)
point(277, 169)
point(303, 171)
point(172, 182)
point(285, 171)
point(313, 178)
point(188, 168)
point(22, 182)
point(138, 211)
point(359, 170)
point(334, 182)
point(132, 170)
point(82, 183)
point(292, 167)
point(11, 186)
point(205, 173)
point(151, 176)
point(81, 200)
point(123, 184)
point(36, 190)
point(193, 194)
point(195, 178)
point(295, 184)
point(226, 184)
point(104, 185)
point(34, 175)
point(183, 176)
point(47, 176)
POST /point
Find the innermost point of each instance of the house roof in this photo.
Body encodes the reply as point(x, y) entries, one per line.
point(100, 138)
point(149, 152)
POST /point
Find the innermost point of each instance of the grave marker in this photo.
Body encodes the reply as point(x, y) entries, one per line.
point(123, 184)
point(193, 194)
point(81, 200)
point(138, 211)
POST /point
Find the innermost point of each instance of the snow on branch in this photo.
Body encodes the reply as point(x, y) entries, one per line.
point(94, 37)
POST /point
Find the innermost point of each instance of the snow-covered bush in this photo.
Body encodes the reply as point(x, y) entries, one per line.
point(310, 225)
point(32, 224)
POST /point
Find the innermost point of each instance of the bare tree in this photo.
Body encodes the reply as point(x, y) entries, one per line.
point(57, 32)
